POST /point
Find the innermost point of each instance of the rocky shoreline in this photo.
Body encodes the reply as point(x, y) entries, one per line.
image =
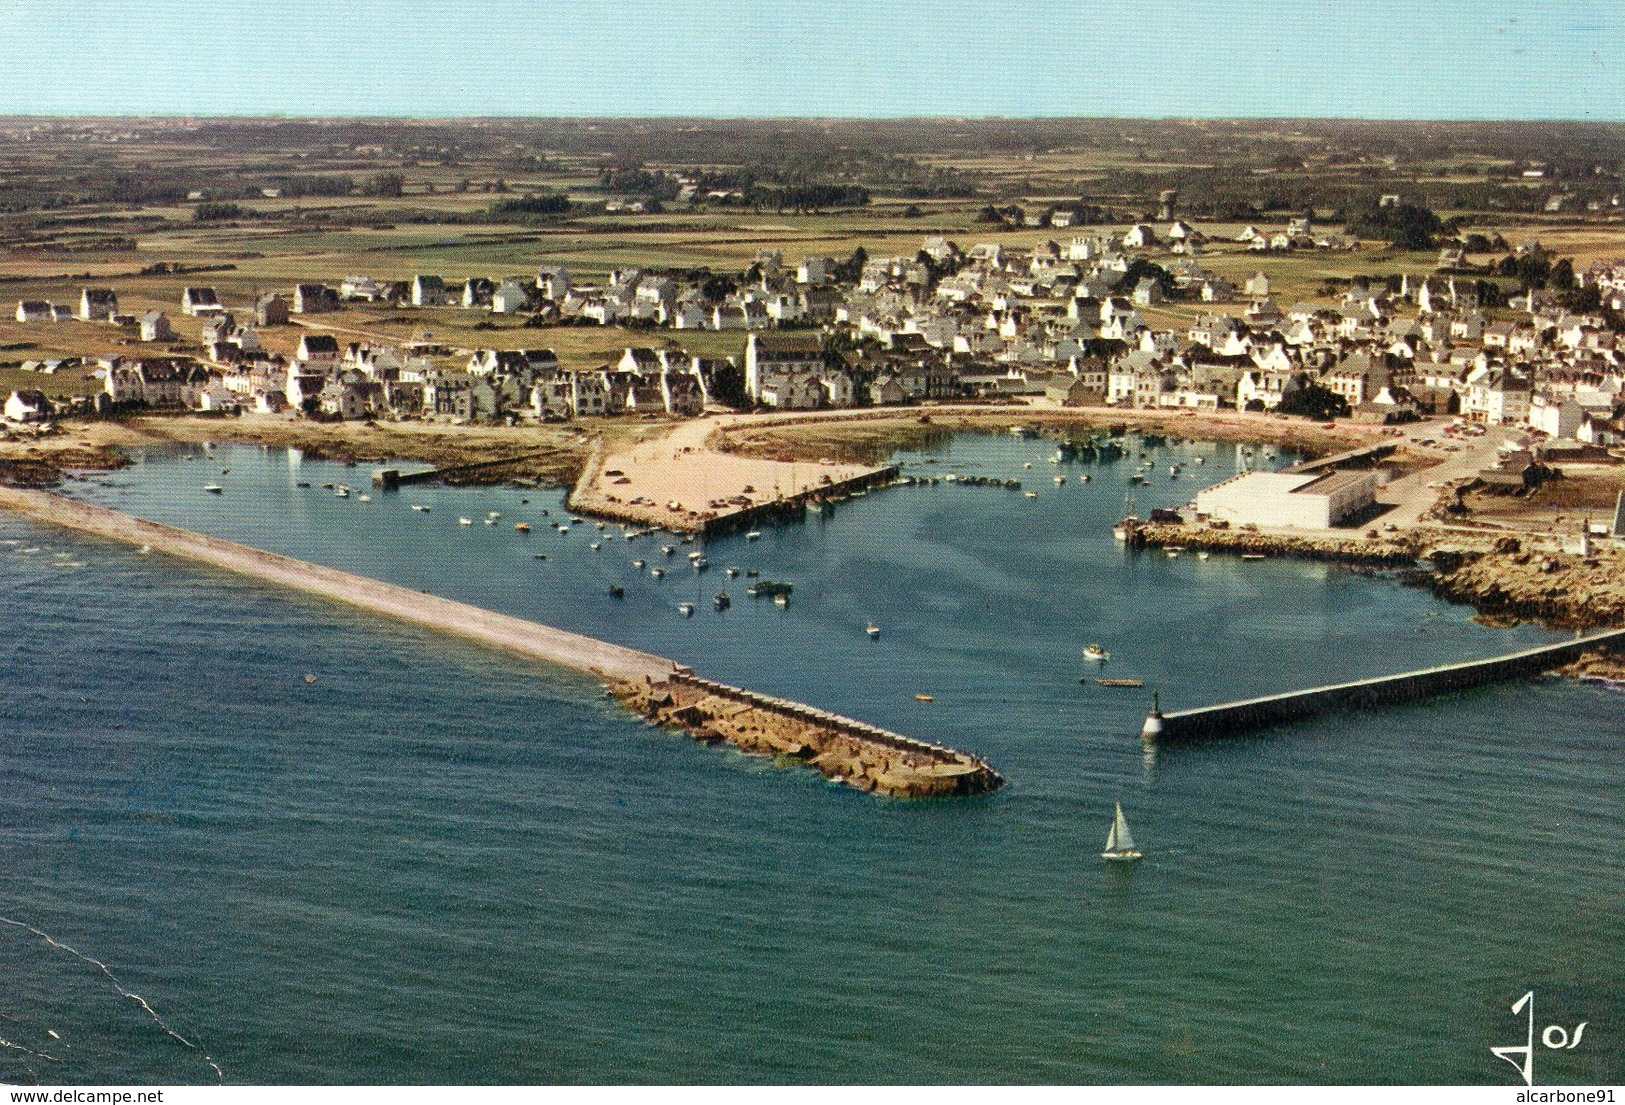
point(1393, 553)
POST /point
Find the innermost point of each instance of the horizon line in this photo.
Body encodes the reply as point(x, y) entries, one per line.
point(903, 118)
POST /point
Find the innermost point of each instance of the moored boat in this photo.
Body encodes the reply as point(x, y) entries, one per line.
point(522, 527)
point(213, 488)
point(873, 630)
point(1096, 653)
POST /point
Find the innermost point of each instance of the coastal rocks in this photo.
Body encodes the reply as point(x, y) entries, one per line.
point(848, 752)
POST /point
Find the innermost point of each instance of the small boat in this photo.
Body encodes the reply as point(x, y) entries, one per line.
point(1252, 556)
point(595, 546)
point(145, 550)
point(721, 600)
point(1203, 555)
point(686, 609)
point(616, 591)
point(490, 521)
point(639, 563)
point(1084, 477)
point(342, 493)
point(1119, 841)
point(1059, 480)
point(733, 573)
point(1118, 682)
point(494, 514)
point(923, 698)
point(781, 600)
point(600, 525)
point(1172, 551)
point(1029, 464)
point(668, 549)
point(465, 521)
point(539, 556)
point(752, 574)
point(213, 488)
point(754, 535)
point(696, 555)
point(658, 573)
point(327, 487)
point(873, 630)
point(225, 471)
point(1031, 494)
point(364, 498)
point(522, 527)
point(303, 483)
point(1201, 460)
point(701, 564)
point(420, 508)
point(1096, 652)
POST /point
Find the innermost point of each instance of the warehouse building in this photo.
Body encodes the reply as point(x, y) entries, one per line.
point(1301, 500)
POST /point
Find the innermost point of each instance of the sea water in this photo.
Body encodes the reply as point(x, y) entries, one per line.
point(438, 863)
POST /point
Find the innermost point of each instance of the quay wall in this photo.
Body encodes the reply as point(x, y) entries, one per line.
point(1232, 718)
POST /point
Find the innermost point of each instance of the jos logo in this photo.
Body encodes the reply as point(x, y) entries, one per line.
point(1553, 1036)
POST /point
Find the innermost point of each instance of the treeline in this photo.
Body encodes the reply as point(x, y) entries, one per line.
point(533, 205)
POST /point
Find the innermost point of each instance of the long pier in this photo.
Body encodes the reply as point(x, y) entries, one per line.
point(1248, 715)
point(851, 750)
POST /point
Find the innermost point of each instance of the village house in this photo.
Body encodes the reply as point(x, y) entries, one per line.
point(200, 301)
point(313, 299)
point(27, 405)
point(31, 310)
point(97, 304)
point(155, 327)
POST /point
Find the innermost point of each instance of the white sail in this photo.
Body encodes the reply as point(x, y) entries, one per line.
point(1120, 839)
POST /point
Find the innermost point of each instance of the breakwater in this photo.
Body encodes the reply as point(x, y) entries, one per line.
point(390, 479)
point(1248, 715)
point(851, 752)
point(863, 755)
point(793, 508)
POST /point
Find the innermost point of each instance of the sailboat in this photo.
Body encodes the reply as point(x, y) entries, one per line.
point(1119, 841)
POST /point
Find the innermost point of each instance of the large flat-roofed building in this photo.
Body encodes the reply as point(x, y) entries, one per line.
point(1300, 500)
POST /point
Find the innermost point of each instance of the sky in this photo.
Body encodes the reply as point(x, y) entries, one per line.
point(1366, 59)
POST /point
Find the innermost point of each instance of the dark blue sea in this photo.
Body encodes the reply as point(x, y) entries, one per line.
point(441, 864)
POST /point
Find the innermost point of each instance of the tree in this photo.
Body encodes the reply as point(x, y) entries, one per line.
point(386, 184)
point(1401, 225)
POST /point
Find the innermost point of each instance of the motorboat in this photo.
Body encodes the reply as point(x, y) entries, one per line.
point(721, 600)
point(213, 488)
point(873, 630)
point(658, 573)
point(686, 609)
point(639, 563)
point(733, 573)
point(522, 527)
point(753, 535)
point(465, 521)
point(1096, 653)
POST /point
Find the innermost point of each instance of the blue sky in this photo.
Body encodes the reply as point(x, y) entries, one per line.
point(1422, 59)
